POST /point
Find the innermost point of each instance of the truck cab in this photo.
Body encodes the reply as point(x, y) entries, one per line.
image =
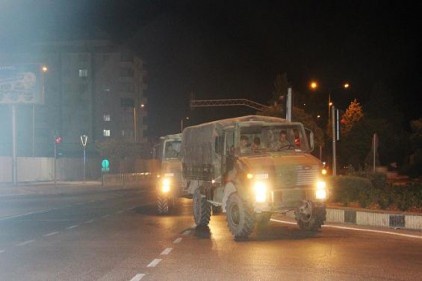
point(170, 184)
point(252, 167)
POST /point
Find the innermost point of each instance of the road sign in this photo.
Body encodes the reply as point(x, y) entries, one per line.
point(105, 165)
point(21, 84)
point(84, 140)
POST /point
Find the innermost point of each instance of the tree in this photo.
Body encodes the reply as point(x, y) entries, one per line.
point(351, 117)
point(300, 115)
point(413, 165)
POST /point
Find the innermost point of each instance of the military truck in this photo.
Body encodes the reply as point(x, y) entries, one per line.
point(170, 184)
point(239, 164)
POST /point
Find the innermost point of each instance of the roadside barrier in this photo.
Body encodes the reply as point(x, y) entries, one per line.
point(128, 179)
point(369, 218)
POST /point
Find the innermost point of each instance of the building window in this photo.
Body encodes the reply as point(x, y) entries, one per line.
point(106, 133)
point(83, 72)
point(106, 117)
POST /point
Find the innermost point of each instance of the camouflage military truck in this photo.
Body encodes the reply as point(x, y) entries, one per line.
point(170, 183)
point(241, 165)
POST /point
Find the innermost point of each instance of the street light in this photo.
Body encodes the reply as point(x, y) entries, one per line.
point(44, 70)
point(331, 116)
point(135, 120)
point(313, 85)
point(181, 123)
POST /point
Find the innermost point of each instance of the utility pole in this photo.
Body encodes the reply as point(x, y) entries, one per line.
point(289, 105)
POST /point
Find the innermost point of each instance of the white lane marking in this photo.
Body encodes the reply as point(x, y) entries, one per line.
point(186, 232)
point(137, 277)
point(90, 221)
point(25, 243)
point(154, 263)
point(2, 251)
point(105, 216)
point(178, 240)
point(360, 229)
point(51, 234)
point(166, 251)
point(26, 214)
point(72, 226)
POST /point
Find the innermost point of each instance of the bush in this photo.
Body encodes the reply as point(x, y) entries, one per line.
point(373, 188)
point(347, 189)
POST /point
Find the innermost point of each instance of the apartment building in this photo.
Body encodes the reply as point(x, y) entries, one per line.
point(91, 88)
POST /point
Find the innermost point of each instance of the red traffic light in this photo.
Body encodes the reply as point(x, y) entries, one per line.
point(58, 140)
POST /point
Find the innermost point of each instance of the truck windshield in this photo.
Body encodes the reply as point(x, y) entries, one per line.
point(260, 139)
point(172, 149)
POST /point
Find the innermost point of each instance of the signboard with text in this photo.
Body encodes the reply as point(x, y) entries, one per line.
point(21, 84)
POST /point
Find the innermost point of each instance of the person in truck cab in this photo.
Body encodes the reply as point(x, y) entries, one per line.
point(170, 151)
point(256, 145)
point(283, 142)
point(244, 144)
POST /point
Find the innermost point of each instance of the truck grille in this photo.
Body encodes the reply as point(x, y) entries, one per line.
point(306, 176)
point(296, 176)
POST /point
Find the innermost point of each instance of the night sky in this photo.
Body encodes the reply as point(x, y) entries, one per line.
point(235, 49)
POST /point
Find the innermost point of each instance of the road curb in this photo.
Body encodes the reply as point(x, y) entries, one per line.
point(379, 219)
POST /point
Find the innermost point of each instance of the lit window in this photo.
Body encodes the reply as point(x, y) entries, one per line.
point(83, 72)
point(106, 117)
point(106, 133)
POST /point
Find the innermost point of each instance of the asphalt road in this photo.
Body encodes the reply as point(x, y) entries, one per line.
point(117, 235)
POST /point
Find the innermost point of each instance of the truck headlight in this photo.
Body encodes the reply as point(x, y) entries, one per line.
point(165, 185)
point(260, 189)
point(321, 190)
point(259, 183)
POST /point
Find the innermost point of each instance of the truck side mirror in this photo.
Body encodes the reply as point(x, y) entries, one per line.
point(310, 135)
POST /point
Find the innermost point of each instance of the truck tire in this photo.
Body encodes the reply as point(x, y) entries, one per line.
point(162, 205)
point(310, 217)
point(240, 217)
point(312, 225)
point(201, 209)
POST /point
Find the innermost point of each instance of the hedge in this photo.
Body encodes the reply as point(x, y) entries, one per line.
point(373, 189)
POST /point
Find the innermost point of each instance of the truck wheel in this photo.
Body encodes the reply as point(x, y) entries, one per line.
point(312, 225)
point(240, 217)
point(308, 217)
point(162, 205)
point(201, 209)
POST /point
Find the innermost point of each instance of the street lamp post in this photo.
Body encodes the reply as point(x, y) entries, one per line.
point(334, 121)
point(182, 123)
point(44, 69)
